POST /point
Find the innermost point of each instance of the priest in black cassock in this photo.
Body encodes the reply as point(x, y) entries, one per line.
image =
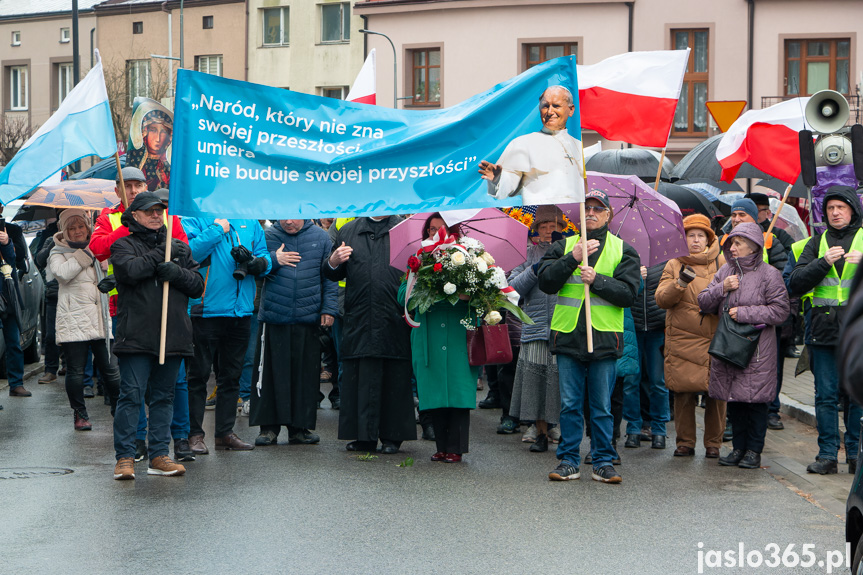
point(376, 394)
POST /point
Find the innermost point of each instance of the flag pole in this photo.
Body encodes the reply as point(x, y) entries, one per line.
point(164, 328)
point(776, 215)
point(583, 229)
point(121, 190)
point(659, 169)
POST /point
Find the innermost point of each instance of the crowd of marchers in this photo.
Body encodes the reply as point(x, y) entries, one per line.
point(271, 310)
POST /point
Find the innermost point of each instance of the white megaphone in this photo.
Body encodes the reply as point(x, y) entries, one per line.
point(827, 111)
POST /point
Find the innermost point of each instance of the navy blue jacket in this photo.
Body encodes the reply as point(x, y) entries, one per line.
point(223, 295)
point(298, 295)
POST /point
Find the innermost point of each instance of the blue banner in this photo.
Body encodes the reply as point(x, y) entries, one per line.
point(243, 150)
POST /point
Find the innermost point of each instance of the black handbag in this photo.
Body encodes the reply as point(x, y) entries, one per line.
point(734, 342)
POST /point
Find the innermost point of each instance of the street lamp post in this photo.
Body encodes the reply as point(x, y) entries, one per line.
point(395, 81)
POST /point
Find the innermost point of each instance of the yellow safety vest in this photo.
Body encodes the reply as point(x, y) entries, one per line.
point(603, 315)
point(797, 249)
point(833, 291)
point(339, 223)
point(115, 218)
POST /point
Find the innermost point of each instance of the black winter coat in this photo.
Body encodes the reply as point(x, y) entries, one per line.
point(823, 323)
point(555, 268)
point(52, 288)
point(374, 324)
point(647, 315)
point(139, 300)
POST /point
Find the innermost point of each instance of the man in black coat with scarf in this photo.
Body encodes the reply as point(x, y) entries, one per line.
point(141, 270)
point(376, 394)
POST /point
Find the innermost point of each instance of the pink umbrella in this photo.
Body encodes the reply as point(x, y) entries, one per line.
point(644, 219)
point(503, 237)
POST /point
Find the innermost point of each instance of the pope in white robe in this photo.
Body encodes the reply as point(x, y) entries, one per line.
point(544, 167)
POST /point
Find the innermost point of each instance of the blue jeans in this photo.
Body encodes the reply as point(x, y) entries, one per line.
point(653, 367)
point(137, 372)
point(822, 361)
point(249, 360)
point(598, 377)
point(14, 355)
point(88, 371)
point(180, 419)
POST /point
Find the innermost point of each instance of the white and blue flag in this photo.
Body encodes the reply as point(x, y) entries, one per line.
point(80, 127)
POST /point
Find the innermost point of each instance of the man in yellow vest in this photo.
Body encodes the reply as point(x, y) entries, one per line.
point(612, 271)
point(826, 267)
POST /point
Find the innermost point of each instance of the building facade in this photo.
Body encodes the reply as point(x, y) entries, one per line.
point(449, 50)
point(309, 46)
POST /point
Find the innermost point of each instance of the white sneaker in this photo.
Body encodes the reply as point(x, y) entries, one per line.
point(244, 410)
point(530, 435)
point(554, 434)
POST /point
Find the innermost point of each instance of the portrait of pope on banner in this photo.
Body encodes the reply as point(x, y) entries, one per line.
point(544, 167)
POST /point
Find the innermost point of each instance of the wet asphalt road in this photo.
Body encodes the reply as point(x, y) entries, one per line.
point(318, 509)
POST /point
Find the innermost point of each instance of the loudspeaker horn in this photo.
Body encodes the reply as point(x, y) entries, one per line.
point(827, 111)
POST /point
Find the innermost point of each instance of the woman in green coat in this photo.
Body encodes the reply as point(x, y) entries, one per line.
point(446, 382)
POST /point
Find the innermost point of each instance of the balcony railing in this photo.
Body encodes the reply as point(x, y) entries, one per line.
point(854, 117)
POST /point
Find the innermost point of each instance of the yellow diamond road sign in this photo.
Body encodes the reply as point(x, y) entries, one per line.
point(725, 112)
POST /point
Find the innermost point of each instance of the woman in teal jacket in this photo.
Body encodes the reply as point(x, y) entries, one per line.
point(446, 382)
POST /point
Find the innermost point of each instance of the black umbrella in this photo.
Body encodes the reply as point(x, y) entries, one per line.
point(701, 162)
point(104, 170)
point(29, 213)
point(629, 162)
point(689, 201)
point(798, 190)
point(718, 184)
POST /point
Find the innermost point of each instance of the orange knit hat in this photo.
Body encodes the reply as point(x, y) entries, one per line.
point(699, 222)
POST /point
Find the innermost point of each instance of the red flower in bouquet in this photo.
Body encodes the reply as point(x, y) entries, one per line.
point(438, 267)
point(414, 263)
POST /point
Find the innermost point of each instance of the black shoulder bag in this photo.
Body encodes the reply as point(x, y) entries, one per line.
point(734, 342)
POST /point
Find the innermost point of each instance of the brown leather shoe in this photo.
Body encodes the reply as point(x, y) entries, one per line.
point(48, 377)
point(232, 442)
point(683, 451)
point(19, 392)
point(711, 453)
point(196, 443)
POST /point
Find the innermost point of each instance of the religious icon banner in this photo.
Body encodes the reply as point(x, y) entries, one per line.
point(149, 147)
point(242, 150)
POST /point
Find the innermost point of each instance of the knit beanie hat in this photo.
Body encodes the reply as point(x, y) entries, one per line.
point(745, 205)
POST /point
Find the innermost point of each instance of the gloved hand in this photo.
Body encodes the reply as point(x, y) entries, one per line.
point(257, 266)
point(241, 254)
point(687, 274)
point(179, 248)
point(168, 272)
point(107, 284)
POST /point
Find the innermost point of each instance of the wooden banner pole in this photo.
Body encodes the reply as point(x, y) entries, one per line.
point(121, 187)
point(659, 170)
point(776, 215)
point(164, 328)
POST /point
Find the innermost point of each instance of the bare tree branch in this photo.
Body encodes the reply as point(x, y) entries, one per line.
point(14, 131)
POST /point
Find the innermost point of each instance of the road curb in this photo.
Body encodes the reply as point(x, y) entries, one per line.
point(799, 411)
point(30, 370)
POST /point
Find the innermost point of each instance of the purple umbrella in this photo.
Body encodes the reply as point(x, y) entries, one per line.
point(503, 237)
point(644, 219)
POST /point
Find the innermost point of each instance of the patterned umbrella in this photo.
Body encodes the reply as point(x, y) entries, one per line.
point(88, 194)
point(644, 219)
point(503, 237)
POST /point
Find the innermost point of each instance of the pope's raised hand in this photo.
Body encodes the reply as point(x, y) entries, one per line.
point(341, 255)
point(489, 171)
point(287, 258)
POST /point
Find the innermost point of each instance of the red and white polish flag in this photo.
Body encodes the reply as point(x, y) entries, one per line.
point(364, 88)
point(765, 139)
point(632, 97)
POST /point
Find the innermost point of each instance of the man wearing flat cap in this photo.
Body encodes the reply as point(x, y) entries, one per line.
point(141, 270)
point(611, 268)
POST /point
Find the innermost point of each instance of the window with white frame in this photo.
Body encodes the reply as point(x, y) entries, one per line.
point(65, 35)
point(16, 38)
point(138, 79)
point(64, 81)
point(209, 64)
point(276, 23)
point(337, 92)
point(18, 86)
point(336, 22)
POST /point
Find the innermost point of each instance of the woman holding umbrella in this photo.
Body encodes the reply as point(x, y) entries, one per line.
point(83, 322)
